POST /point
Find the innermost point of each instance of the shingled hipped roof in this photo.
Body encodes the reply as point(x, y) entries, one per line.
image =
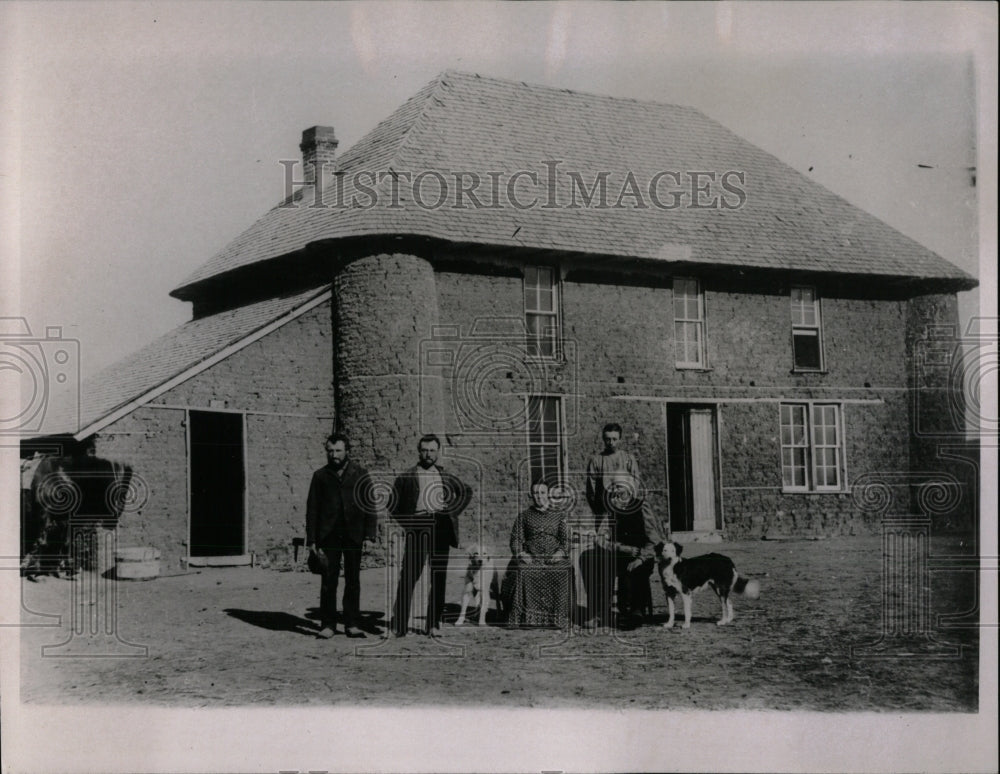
point(171, 359)
point(467, 123)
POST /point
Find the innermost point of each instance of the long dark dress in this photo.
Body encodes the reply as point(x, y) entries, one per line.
point(539, 594)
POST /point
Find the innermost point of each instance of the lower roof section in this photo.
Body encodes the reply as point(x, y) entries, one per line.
point(172, 359)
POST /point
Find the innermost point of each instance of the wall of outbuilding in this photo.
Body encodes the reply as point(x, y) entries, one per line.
point(282, 383)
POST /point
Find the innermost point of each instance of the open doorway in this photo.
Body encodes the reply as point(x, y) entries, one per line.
point(693, 468)
point(217, 483)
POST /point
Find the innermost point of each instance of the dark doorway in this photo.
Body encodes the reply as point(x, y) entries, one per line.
point(692, 468)
point(217, 483)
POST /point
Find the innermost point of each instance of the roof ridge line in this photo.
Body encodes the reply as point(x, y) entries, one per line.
point(438, 81)
point(564, 90)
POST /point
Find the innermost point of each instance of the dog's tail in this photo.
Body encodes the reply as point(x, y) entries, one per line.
point(748, 588)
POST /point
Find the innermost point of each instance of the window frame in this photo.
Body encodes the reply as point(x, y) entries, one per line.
point(698, 322)
point(558, 443)
point(802, 328)
point(812, 445)
point(534, 340)
point(815, 446)
point(807, 445)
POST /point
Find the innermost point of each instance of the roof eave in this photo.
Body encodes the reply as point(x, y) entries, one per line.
point(348, 245)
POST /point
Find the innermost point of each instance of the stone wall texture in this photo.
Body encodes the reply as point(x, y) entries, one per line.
point(283, 383)
point(384, 307)
point(619, 365)
point(405, 348)
point(938, 353)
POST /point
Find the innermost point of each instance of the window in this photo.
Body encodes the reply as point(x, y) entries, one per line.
point(541, 311)
point(794, 447)
point(807, 340)
point(812, 447)
point(689, 323)
point(545, 452)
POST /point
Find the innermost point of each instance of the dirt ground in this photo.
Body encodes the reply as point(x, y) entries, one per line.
point(819, 638)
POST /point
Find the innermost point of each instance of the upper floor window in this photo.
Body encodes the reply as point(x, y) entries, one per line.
point(545, 438)
point(689, 323)
point(812, 447)
point(541, 311)
point(807, 333)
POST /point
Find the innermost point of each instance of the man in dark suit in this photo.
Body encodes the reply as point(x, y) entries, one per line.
point(340, 523)
point(427, 502)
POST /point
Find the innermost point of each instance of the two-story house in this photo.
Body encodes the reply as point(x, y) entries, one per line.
point(513, 266)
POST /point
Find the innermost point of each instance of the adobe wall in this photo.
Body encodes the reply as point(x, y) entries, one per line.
point(391, 310)
point(384, 306)
point(935, 376)
point(938, 355)
point(619, 345)
point(283, 383)
point(154, 443)
point(753, 502)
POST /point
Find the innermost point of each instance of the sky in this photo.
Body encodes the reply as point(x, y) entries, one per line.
point(141, 137)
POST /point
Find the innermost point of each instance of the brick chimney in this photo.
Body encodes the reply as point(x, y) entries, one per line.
point(319, 149)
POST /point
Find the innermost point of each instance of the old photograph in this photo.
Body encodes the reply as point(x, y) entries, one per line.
point(540, 387)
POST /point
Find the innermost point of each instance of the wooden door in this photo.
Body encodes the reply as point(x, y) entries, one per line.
point(703, 482)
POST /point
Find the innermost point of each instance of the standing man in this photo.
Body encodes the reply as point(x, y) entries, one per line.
point(340, 522)
point(427, 504)
point(614, 493)
point(612, 474)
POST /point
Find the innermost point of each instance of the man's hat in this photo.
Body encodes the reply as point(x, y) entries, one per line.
point(317, 562)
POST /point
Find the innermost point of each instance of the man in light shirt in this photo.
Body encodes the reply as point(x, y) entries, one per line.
point(612, 474)
point(427, 502)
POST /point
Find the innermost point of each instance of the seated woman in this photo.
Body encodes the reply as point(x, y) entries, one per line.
point(540, 573)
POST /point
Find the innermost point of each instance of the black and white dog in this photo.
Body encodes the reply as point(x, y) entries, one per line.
point(686, 576)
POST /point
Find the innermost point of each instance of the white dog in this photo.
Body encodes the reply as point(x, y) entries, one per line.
point(482, 580)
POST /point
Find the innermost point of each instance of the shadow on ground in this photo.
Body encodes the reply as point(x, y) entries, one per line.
point(273, 620)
